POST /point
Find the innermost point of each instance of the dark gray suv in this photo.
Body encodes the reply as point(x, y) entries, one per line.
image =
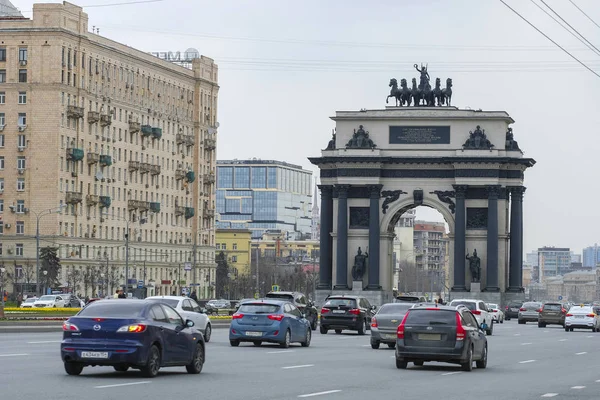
point(346, 312)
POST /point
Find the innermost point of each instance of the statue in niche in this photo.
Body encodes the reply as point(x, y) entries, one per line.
point(478, 140)
point(360, 140)
point(331, 144)
point(360, 265)
point(474, 266)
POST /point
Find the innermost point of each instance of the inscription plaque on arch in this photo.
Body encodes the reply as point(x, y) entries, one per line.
point(419, 134)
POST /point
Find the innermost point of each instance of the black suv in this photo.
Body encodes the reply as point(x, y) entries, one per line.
point(512, 310)
point(346, 312)
point(299, 300)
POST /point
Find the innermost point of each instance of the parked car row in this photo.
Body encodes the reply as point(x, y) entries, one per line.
point(53, 301)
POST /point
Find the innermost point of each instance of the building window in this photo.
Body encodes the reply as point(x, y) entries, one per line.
point(2, 97)
point(2, 53)
point(20, 141)
point(20, 227)
point(2, 119)
point(218, 246)
point(22, 119)
point(22, 75)
point(22, 97)
point(19, 248)
point(1, 185)
point(2, 75)
point(1, 205)
point(234, 259)
point(20, 206)
point(20, 184)
point(224, 246)
point(21, 162)
point(1, 162)
point(234, 246)
point(22, 53)
point(1, 140)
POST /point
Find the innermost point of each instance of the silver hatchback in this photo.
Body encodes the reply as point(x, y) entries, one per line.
point(529, 312)
point(384, 325)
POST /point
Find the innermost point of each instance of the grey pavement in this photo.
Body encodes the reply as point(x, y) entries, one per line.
point(525, 362)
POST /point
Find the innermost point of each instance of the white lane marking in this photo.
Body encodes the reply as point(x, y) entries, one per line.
point(451, 373)
point(525, 344)
point(577, 387)
point(517, 334)
point(563, 340)
point(45, 341)
point(589, 337)
point(598, 380)
point(280, 351)
point(121, 384)
point(366, 345)
point(526, 361)
point(581, 353)
point(14, 355)
point(550, 395)
point(319, 393)
point(298, 366)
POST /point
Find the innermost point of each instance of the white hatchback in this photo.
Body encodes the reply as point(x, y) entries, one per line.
point(29, 302)
point(49, 301)
point(582, 317)
point(479, 310)
point(497, 313)
point(188, 309)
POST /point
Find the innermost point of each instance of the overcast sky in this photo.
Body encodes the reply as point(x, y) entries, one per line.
point(287, 66)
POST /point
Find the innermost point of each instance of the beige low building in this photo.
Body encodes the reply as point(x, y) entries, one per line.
point(120, 137)
point(578, 286)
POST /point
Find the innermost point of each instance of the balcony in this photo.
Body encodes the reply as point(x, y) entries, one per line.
point(190, 176)
point(180, 174)
point(93, 158)
point(209, 178)
point(189, 212)
point(180, 138)
point(75, 112)
point(105, 120)
point(180, 210)
point(145, 168)
point(105, 201)
point(155, 169)
point(210, 144)
point(134, 165)
point(74, 154)
point(155, 207)
point(93, 117)
point(138, 205)
point(92, 199)
point(134, 127)
point(209, 212)
point(74, 197)
point(146, 130)
point(105, 160)
point(156, 133)
point(189, 140)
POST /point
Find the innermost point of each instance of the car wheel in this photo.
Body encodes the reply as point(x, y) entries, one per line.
point(392, 345)
point(323, 330)
point(307, 338)
point(73, 368)
point(258, 343)
point(195, 367)
point(150, 370)
point(401, 364)
point(362, 327)
point(502, 321)
point(374, 345)
point(419, 363)
point(313, 326)
point(338, 331)
point(207, 333)
point(490, 331)
point(566, 329)
point(468, 365)
point(540, 325)
point(521, 322)
point(234, 343)
point(286, 340)
point(121, 368)
point(482, 363)
point(508, 318)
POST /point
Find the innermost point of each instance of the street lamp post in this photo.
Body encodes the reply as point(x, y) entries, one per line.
point(37, 241)
point(2, 271)
point(126, 249)
point(45, 281)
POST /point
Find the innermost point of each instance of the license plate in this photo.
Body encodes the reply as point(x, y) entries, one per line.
point(390, 336)
point(514, 309)
point(430, 336)
point(579, 316)
point(253, 333)
point(339, 311)
point(94, 354)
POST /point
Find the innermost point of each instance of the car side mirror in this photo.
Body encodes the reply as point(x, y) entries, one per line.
point(483, 326)
point(303, 315)
point(373, 308)
point(189, 323)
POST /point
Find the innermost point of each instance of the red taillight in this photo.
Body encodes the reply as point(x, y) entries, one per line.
point(495, 310)
point(374, 322)
point(400, 331)
point(432, 309)
point(562, 310)
point(539, 310)
point(135, 328)
point(121, 351)
point(354, 311)
point(69, 348)
point(275, 317)
point(69, 327)
point(522, 309)
point(569, 315)
point(324, 310)
point(591, 315)
point(237, 316)
point(98, 319)
point(476, 312)
point(506, 308)
point(460, 331)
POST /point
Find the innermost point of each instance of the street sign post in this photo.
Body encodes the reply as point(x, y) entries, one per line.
point(187, 266)
point(256, 295)
point(275, 288)
point(140, 284)
point(560, 297)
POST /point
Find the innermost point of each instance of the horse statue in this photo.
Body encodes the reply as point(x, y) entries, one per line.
point(437, 92)
point(415, 93)
point(404, 92)
point(447, 92)
point(427, 95)
point(401, 95)
point(395, 92)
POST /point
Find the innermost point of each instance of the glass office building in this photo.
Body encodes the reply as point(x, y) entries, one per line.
point(261, 195)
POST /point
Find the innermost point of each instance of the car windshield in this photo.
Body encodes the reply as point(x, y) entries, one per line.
point(431, 317)
point(532, 305)
point(47, 298)
point(113, 309)
point(469, 304)
point(395, 308)
point(284, 296)
point(259, 308)
point(492, 305)
point(30, 300)
point(552, 307)
point(340, 302)
point(580, 310)
point(170, 302)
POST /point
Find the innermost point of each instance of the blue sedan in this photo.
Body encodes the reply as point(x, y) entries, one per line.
point(125, 334)
point(272, 321)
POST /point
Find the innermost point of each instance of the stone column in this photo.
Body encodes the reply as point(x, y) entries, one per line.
point(515, 277)
point(374, 237)
point(341, 269)
point(460, 231)
point(492, 240)
point(325, 260)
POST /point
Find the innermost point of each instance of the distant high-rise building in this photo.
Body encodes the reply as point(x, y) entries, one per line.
point(429, 244)
point(404, 253)
point(532, 258)
point(552, 261)
point(315, 229)
point(591, 256)
point(262, 195)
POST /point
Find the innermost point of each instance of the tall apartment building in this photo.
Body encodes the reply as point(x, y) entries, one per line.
point(263, 195)
point(552, 261)
point(430, 244)
point(124, 140)
point(404, 253)
point(591, 256)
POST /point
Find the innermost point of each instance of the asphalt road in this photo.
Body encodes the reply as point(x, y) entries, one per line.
point(525, 362)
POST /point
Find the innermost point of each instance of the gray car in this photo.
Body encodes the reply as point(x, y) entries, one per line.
point(385, 323)
point(529, 312)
